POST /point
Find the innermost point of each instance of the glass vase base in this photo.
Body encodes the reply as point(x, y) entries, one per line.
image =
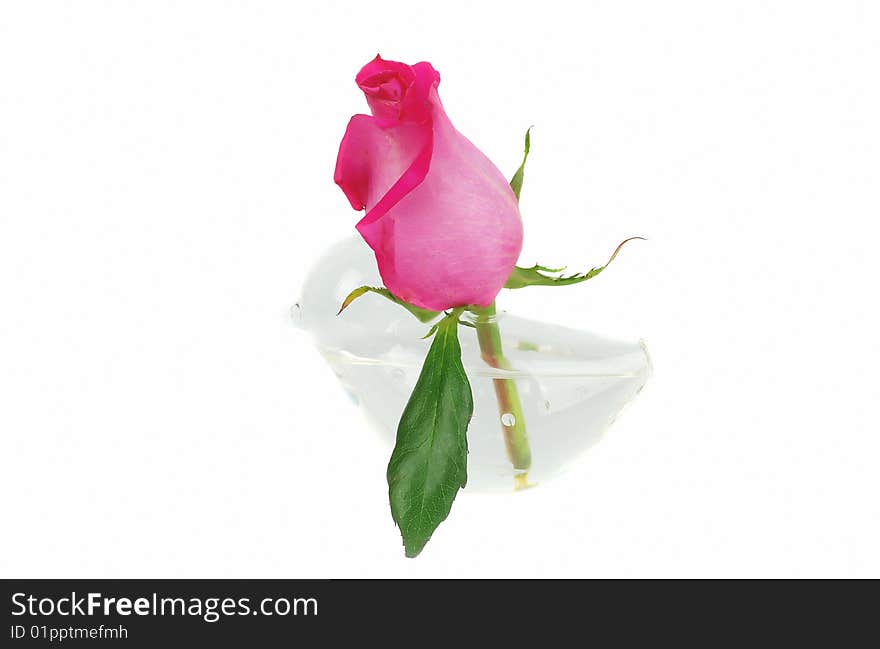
point(572, 384)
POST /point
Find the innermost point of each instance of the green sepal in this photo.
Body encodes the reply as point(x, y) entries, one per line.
point(429, 462)
point(431, 331)
point(517, 180)
point(424, 315)
point(543, 276)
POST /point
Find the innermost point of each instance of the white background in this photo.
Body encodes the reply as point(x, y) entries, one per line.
point(166, 182)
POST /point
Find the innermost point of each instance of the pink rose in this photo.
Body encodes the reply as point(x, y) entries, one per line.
point(441, 218)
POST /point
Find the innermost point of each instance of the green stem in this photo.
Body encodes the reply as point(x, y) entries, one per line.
point(513, 422)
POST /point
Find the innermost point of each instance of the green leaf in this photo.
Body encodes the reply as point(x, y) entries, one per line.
point(429, 462)
point(424, 315)
point(543, 276)
point(517, 180)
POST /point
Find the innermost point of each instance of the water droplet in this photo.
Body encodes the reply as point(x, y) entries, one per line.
point(296, 315)
point(397, 374)
point(508, 419)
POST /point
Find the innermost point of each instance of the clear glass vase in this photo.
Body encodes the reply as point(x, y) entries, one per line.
point(571, 384)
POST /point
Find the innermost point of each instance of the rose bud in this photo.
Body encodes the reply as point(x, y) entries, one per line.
point(441, 218)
